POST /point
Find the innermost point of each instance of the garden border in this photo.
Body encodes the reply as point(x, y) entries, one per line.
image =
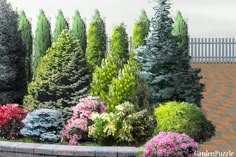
point(20, 149)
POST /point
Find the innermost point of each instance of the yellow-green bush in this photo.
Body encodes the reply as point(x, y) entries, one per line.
point(181, 117)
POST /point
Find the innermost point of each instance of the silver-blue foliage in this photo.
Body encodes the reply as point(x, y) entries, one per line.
point(44, 125)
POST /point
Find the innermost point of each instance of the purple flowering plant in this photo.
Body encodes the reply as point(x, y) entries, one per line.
point(169, 144)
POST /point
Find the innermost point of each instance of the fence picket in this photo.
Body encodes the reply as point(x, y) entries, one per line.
point(207, 50)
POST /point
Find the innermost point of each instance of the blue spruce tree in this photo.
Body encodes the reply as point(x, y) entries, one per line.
point(165, 65)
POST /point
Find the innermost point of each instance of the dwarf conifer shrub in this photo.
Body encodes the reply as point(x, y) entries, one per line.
point(186, 118)
point(62, 77)
point(43, 125)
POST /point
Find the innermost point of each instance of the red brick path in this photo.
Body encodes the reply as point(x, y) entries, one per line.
point(220, 103)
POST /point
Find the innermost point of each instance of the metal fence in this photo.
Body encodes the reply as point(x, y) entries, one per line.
point(213, 50)
point(208, 50)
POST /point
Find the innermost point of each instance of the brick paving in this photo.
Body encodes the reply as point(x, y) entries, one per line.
point(220, 103)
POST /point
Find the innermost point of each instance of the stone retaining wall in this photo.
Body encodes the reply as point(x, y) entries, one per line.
point(19, 149)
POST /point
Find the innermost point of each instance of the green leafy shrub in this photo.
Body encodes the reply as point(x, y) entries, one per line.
point(181, 117)
point(43, 125)
point(62, 77)
point(125, 126)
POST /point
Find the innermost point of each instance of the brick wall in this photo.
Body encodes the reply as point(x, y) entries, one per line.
point(19, 149)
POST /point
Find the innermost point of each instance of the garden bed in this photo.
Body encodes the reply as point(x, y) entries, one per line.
point(20, 149)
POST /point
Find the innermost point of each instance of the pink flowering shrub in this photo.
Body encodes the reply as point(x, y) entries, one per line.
point(168, 144)
point(11, 116)
point(77, 126)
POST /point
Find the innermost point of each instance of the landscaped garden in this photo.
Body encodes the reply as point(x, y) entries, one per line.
point(68, 88)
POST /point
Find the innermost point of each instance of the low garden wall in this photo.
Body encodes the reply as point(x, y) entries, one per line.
point(19, 149)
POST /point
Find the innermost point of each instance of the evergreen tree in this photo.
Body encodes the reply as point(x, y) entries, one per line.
point(96, 41)
point(111, 64)
point(180, 30)
point(102, 77)
point(165, 66)
point(60, 25)
point(42, 40)
point(13, 55)
point(141, 30)
point(120, 45)
point(124, 87)
point(62, 76)
point(79, 30)
point(26, 34)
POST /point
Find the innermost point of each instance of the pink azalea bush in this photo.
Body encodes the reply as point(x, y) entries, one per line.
point(11, 116)
point(77, 125)
point(168, 144)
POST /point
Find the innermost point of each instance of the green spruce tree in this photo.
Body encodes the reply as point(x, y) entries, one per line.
point(62, 77)
point(13, 56)
point(79, 30)
point(42, 40)
point(141, 30)
point(165, 66)
point(26, 34)
point(96, 49)
point(60, 25)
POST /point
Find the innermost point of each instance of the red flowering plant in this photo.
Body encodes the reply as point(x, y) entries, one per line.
point(77, 126)
point(11, 116)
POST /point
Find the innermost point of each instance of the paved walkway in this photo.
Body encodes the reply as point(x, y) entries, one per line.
point(220, 103)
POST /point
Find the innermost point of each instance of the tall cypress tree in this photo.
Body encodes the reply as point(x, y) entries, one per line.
point(120, 45)
point(60, 25)
point(141, 30)
point(180, 29)
point(13, 55)
point(26, 34)
point(165, 66)
point(79, 30)
point(42, 40)
point(96, 41)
